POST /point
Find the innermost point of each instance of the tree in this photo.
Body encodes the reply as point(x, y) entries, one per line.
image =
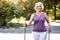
point(8, 10)
point(51, 4)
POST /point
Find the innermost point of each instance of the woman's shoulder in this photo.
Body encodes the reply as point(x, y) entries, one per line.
point(44, 13)
point(32, 14)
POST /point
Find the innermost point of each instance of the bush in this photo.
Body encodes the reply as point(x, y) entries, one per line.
point(16, 25)
point(8, 11)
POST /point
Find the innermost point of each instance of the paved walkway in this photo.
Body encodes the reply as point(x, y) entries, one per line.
point(9, 36)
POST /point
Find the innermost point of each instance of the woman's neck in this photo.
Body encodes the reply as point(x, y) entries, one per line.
point(38, 12)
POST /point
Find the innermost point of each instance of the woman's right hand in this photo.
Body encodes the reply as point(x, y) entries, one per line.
point(25, 25)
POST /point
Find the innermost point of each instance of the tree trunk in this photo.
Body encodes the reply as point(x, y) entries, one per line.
point(55, 11)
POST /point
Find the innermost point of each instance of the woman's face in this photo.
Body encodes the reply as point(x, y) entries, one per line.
point(38, 8)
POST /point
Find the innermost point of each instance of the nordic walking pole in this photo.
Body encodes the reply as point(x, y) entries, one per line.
point(48, 35)
point(24, 33)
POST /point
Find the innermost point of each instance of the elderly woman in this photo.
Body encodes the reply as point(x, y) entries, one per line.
point(39, 18)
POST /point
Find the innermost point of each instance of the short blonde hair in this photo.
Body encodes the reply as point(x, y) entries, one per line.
point(39, 4)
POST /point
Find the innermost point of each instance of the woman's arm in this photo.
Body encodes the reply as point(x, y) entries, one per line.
point(48, 22)
point(30, 20)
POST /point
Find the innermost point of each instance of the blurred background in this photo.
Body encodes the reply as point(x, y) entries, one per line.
point(14, 13)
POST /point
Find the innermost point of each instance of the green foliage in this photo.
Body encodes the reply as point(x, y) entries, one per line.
point(9, 10)
point(16, 25)
point(28, 7)
point(18, 11)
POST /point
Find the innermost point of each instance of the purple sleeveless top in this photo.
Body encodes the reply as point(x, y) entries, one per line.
point(39, 23)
